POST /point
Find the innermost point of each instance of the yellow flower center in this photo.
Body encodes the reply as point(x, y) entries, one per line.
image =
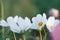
point(40, 23)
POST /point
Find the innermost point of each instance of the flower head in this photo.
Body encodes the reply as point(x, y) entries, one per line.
point(54, 12)
point(24, 23)
point(39, 21)
point(51, 23)
point(13, 25)
point(5, 24)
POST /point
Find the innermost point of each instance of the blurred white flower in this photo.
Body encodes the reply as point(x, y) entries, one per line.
point(54, 12)
point(17, 24)
point(51, 23)
point(13, 25)
point(39, 21)
point(24, 24)
point(3, 23)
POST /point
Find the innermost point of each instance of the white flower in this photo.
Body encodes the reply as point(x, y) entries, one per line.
point(39, 21)
point(3, 23)
point(12, 23)
point(24, 24)
point(51, 23)
point(13, 26)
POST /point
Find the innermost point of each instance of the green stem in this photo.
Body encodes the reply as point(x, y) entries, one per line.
point(40, 35)
point(45, 34)
point(2, 11)
point(14, 36)
point(24, 37)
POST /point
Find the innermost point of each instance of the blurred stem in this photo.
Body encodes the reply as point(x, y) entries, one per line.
point(14, 35)
point(2, 11)
point(23, 34)
point(24, 37)
point(40, 35)
point(45, 34)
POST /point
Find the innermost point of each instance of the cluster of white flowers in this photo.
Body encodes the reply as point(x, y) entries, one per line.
point(17, 24)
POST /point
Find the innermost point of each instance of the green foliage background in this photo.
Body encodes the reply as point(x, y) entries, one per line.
point(25, 8)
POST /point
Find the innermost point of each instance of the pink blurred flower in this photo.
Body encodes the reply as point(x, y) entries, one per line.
point(56, 33)
point(54, 12)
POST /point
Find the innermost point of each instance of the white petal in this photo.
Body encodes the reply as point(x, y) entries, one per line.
point(13, 26)
point(16, 19)
point(27, 28)
point(39, 16)
point(44, 15)
point(33, 26)
point(51, 20)
point(14, 30)
point(3, 23)
point(27, 20)
point(44, 18)
point(56, 22)
point(21, 22)
point(34, 20)
point(27, 23)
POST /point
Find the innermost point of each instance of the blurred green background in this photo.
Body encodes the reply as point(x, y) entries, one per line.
point(28, 7)
point(25, 8)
